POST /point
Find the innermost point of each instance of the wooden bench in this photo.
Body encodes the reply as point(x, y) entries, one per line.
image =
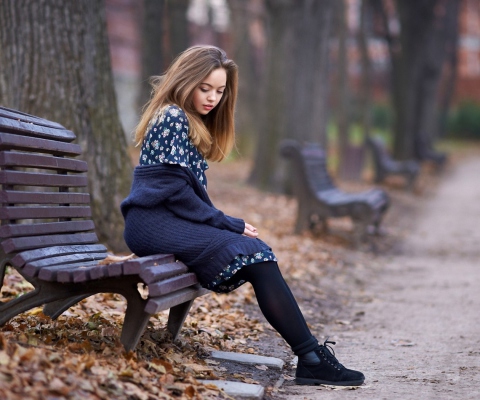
point(385, 165)
point(47, 235)
point(319, 198)
point(424, 152)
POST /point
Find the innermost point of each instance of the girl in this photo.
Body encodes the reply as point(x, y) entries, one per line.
point(189, 120)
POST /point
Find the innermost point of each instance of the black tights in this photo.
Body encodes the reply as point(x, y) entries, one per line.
point(278, 305)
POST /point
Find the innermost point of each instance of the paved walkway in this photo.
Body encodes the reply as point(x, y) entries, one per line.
point(420, 337)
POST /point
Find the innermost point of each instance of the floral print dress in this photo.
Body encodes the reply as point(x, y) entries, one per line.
point(167, 141)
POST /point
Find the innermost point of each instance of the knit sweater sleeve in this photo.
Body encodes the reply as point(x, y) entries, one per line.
point(186, 204)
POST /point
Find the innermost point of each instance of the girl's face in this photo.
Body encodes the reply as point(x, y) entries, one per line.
point(209, 92)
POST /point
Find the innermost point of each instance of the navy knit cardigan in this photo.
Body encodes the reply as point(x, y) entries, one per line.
point(169, 211)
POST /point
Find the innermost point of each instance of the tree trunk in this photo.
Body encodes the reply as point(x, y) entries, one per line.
point(417, 22)
point(308, 80)
point(153, 43)
point(450, 77)
point(247, 15)
point(274, 109)
point(347, 169)
point(433, 66)
point(418, 55)
point(366, 82)
point(296, 83)
point(178, 36)
point(55, 64)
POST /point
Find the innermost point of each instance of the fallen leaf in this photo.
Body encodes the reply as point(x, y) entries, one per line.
point(111, 258)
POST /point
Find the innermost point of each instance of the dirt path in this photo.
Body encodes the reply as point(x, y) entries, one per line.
point(419, 337)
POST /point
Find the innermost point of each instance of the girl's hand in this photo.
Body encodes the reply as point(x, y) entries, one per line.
point(250, 231)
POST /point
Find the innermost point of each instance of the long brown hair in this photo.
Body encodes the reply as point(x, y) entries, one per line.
point(214, 133)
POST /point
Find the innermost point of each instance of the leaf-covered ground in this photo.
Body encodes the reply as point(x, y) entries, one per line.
point(79, 356)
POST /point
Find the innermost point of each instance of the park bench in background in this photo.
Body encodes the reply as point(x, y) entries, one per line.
point(424, 152)
point(47, 235)
point(385, 165)
point(319, 198)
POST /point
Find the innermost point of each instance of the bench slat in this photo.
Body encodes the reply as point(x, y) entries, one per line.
point(46, 228)
point(34, 242)
point(155, 305)
point(17, 197)
point(36, 130)
point(20, 259)
point(134, 266)
point(39, 179)
point(18, 159)
point(100, 271)
point(85, 274)
point(62, 273)
point(114, 269)
point(31, 269)
point(13, 213)
point(32, 121)
point(172, 284)
point(156, 273)
point(26, 143)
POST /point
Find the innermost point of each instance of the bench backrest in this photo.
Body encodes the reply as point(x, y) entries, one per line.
point(309, 164)
point(378, 147)
point(44, 205)
point(379, 151)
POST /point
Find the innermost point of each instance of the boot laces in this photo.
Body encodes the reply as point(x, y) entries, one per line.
point(328, 354)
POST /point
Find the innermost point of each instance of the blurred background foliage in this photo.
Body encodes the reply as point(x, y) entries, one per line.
point(328, 71)
point(464, 120)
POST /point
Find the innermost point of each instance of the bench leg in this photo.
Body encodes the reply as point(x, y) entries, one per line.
point(135, 321)
point(177, 317)
point(360, 232)
point(16, 306)
point(3, 267)
point(42, 294)
point(411, 182)
point(57, 308)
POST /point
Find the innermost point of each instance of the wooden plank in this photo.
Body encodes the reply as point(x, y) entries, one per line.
point(44, 212)
point(21, 197)
point(172, 284)
point(19, 159)
point(97, 273)
point(32, 268)
point(35, 242)
point(85, 274)
point(134, 266)
point(16, 122)
point(62, 273)
point(24, 143)
point(114, 269)
point(46, 228)
point(16, 115)
point(81, 273)
point(155, 305)
point(24, 257)
point(156, 273)
point(41, 179)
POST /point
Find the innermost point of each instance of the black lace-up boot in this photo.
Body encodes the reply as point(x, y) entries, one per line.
point(320, 367)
